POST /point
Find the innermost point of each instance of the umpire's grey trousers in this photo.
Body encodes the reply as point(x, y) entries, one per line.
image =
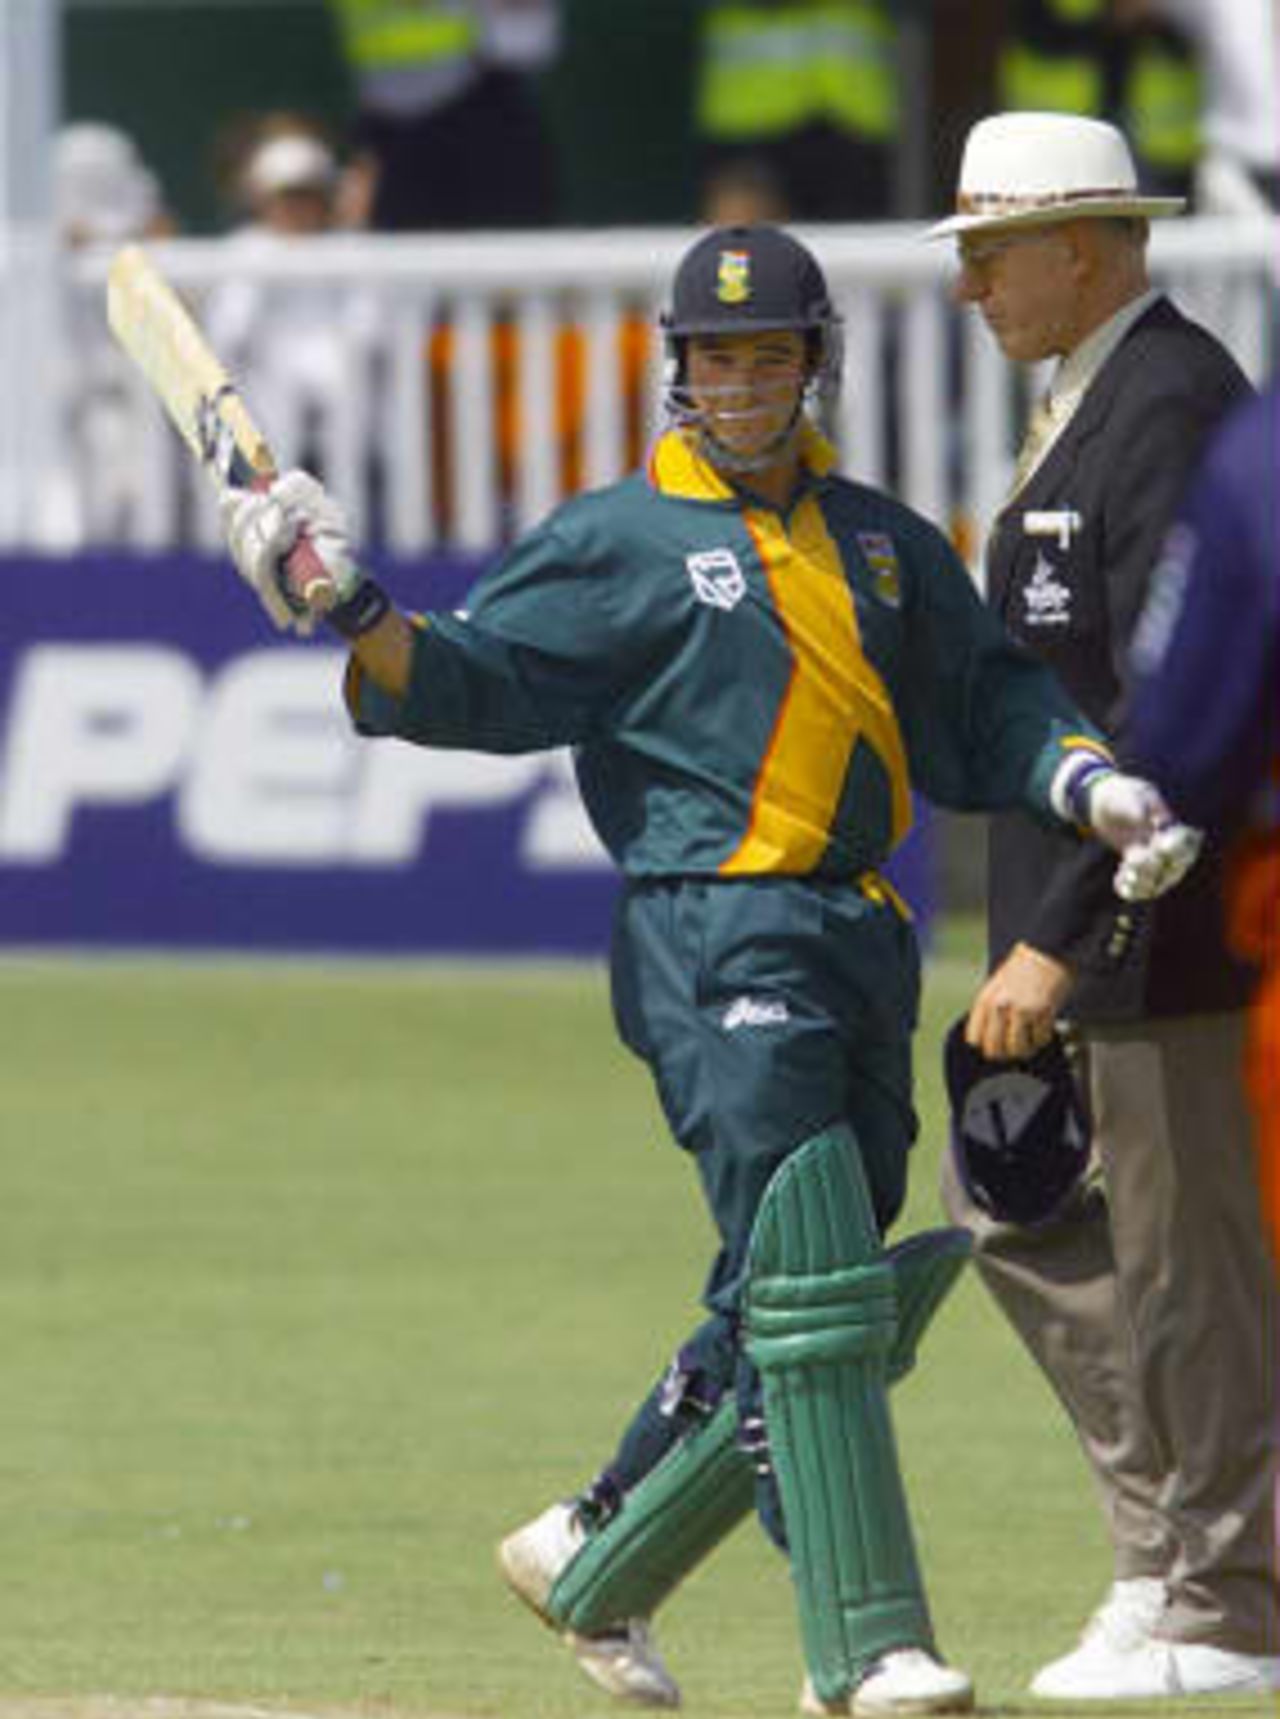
point(1150, 1304)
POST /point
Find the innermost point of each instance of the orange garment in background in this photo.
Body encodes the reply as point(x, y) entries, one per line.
point(635, 356)
point(634, 351)
point(1253, 929)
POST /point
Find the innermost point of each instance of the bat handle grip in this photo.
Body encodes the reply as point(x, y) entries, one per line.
point(304, 574)
point(307, 577)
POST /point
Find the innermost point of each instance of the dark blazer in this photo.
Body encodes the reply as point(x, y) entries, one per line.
point(1121, 465)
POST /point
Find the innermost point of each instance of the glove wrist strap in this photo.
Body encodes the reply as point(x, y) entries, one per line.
point(1074, 785)
point(361, 611)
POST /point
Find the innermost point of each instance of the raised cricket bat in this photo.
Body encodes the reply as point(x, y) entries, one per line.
point(161, 336)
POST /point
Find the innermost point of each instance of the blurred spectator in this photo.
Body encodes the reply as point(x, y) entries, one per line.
point(278, 172)
point(1239, 46)
point(103, 191)
point(449, 127)
point(103, 194)
point(811, 88)
point(1095, 58)
point(743, 190)
point(288, 182)
point(301, 349)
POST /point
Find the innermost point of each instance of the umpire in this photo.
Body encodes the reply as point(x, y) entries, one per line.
point(754, 658)
point(1147, 1301)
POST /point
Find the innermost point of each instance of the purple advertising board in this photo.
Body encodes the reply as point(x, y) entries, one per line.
point(174, 775)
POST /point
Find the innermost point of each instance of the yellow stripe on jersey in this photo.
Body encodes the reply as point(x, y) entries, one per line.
point(835, 697)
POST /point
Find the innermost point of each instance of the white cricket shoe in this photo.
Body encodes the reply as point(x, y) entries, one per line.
point(906, 1681)
point(1163, 1670)
point(624, 1662)
point(1125, 1621)
point(533, 1558)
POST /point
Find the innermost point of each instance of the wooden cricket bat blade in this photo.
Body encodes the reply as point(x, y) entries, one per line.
point(163, 339)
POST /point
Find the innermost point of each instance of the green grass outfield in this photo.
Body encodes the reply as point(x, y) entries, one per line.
point(315, 1280)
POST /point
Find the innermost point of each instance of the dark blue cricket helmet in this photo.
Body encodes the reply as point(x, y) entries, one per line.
point(1020, 1134)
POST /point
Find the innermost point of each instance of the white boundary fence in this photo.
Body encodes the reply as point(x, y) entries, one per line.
point(417, 441)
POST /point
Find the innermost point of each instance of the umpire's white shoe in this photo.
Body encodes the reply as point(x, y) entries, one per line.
point(625, 1661)
point(1159, 1671)
point(1125, 1621)
point(903, 1682)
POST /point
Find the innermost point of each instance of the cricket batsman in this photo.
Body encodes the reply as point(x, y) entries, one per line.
point(755, 661)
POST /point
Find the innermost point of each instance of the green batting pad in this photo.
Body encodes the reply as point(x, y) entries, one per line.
point(668, 1523)
point(925, 1269)
point(821, 1318)
point(704, 1487)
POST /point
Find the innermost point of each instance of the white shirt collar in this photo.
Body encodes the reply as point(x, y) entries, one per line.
point(1081, 365)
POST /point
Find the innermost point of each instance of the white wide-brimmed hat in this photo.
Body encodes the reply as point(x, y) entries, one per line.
point(1032, 169)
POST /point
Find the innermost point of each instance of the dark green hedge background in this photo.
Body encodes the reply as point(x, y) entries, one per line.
point(173, 72)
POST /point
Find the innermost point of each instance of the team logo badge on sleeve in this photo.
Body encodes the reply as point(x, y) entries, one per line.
point(881, 556)
point(716, 577)
point(733, 280)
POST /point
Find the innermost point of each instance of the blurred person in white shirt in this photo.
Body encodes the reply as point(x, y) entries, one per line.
point(303, 351)
point(104, 194)
point(103, 190)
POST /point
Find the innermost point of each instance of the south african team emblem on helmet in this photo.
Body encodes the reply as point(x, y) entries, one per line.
point(733, 282)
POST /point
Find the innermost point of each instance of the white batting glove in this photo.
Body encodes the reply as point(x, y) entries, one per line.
point(263, 526)
point(1122, 810)
point(1130, 816)
point(1147, 869)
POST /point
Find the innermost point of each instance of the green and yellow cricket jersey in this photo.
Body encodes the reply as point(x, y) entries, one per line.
point(747, 692)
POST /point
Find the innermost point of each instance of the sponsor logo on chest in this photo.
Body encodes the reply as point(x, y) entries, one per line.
point(716, 577)
point(755, 1012)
